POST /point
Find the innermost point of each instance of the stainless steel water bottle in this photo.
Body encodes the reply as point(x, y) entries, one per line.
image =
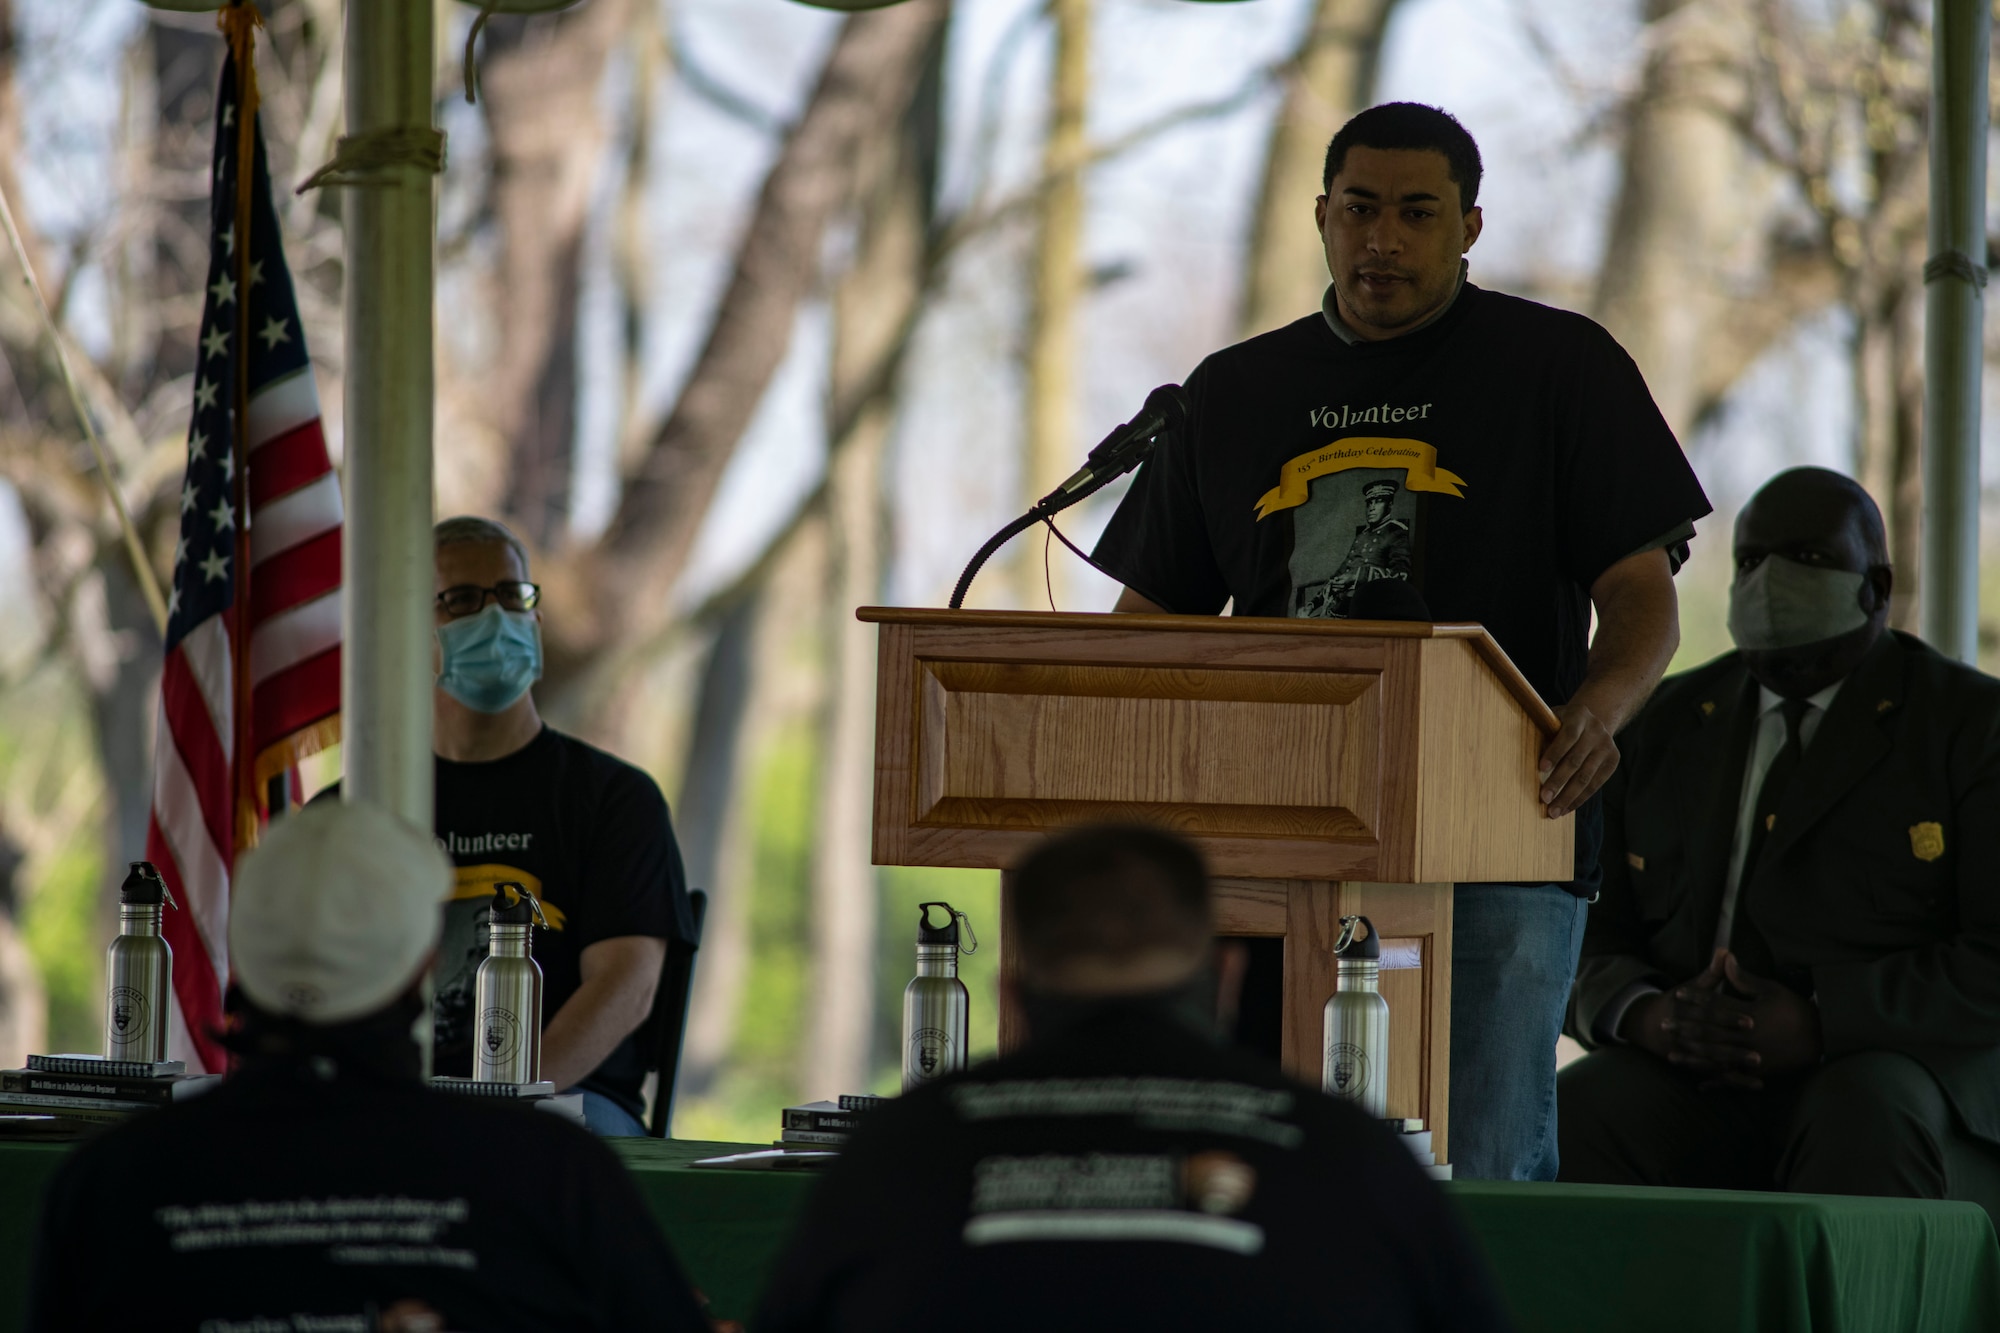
point(507, 992)
point(138, 970)
point(935, 1004)
point(1357, 1022)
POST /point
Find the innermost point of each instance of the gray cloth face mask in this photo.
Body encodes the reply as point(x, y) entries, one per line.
point(1784, 604)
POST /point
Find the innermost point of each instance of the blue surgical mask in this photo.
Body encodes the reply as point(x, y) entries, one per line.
point(490, 659)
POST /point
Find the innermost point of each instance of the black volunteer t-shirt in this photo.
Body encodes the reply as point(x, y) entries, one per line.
point(289, 1203)
point(1500, 459)
point(589, 836)
point(1126, 1174)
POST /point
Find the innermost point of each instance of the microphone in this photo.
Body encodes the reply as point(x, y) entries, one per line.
point(1164, 412)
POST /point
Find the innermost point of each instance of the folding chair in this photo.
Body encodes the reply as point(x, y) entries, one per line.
point(666, 1027)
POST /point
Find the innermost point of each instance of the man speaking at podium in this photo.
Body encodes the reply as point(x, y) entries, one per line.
point(1534, 481)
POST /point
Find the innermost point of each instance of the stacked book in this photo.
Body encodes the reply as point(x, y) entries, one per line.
point(825, 1124)
point(542, 1096)
point(1418, 1140)
point(472, 1087)
point(93, 1089)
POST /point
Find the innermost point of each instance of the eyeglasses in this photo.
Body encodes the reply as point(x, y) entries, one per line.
point(468, 598)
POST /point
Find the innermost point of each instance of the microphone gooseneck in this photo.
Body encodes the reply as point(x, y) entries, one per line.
point(1164, 413)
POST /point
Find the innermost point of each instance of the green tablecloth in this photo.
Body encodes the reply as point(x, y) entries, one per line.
point(1587, 1258)
point(1568, 1257)
point(1591, 1257)
point(726, 1226)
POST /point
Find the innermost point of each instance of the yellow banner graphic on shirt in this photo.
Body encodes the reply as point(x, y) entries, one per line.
point(1418, 459)
point(479, 882)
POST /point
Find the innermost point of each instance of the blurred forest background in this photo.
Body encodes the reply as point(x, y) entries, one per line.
point(751, 313)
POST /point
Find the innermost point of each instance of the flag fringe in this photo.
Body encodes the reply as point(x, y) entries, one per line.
point(273, 759)
point(302, 744)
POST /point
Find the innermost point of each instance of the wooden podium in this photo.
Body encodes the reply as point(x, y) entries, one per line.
point(1323, 767)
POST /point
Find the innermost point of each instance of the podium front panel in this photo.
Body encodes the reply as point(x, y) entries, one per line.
point(1383, 752)
point(1027, 745)
point(1273, 756)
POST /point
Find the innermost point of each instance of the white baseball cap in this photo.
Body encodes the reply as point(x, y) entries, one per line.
point(335, 912)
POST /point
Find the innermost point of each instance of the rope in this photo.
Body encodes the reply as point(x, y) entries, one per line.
point(1954, 264)
point(471, 38)
point(361, 159)
point(142, 568)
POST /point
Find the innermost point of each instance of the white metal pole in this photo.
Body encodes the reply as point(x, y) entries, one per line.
point(1953, 311)
point(390, 236)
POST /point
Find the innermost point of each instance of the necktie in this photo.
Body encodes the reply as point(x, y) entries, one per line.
point(1752, 950)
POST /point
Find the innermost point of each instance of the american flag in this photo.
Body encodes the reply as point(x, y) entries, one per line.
point(252, 677)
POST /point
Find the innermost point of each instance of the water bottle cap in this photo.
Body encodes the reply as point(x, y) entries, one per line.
point(143, 886)
point(947, 933)
point(1355, 947)
point(513, 905)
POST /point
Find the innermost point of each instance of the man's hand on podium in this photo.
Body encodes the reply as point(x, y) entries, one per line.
point(1578, 759)
point(1638, 628)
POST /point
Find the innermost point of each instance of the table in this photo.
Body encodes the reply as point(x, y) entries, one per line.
point(1568, 1257)
point(726, 1226)
point(1581, 1258)
point(1593, 1257)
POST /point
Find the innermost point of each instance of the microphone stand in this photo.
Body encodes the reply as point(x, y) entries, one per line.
point(1127, 447)
point(1044, 509)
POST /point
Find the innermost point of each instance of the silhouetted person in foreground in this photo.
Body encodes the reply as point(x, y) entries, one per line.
point(323, 1185)
point(1124, 1169)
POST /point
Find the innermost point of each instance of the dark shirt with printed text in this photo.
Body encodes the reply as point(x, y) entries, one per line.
point(1126, 1172)
point(589, 835)
point(285, 1199)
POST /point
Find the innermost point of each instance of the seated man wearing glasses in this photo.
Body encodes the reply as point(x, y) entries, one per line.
point(586, 833)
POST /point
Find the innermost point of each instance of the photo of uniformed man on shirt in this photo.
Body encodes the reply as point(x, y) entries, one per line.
point(1376, 547)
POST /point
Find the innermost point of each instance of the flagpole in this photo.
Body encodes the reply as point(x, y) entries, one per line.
point(239, 23)
point(142, 568)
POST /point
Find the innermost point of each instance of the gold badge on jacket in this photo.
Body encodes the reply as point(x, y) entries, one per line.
point(1927, 840)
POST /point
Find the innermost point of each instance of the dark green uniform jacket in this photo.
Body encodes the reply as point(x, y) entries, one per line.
point(1880, 880)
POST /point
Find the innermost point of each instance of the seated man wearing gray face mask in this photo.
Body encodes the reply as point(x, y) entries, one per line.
point(1792, 980)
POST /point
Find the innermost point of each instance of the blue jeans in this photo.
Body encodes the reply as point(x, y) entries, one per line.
point(1514, 949)
point(608, 1120)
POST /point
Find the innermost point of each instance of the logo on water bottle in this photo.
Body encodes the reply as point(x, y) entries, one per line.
point(128, 1013)
point(499, 1035)
point(930, 1052)
point(1346, 1070)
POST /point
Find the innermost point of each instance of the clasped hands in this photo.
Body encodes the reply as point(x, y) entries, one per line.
point(1729, 1027)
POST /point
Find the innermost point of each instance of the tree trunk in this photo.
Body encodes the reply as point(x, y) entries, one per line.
point(631, 248)
point(865, 86)
point(123, 667)
point(1889, 402)
point(1682, 208)
point(1058, 278)
point(24, 1002)
point(712, 822)
point(840, 1021)
point(540, 83)
point(872, 306)
point(1332, 76)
